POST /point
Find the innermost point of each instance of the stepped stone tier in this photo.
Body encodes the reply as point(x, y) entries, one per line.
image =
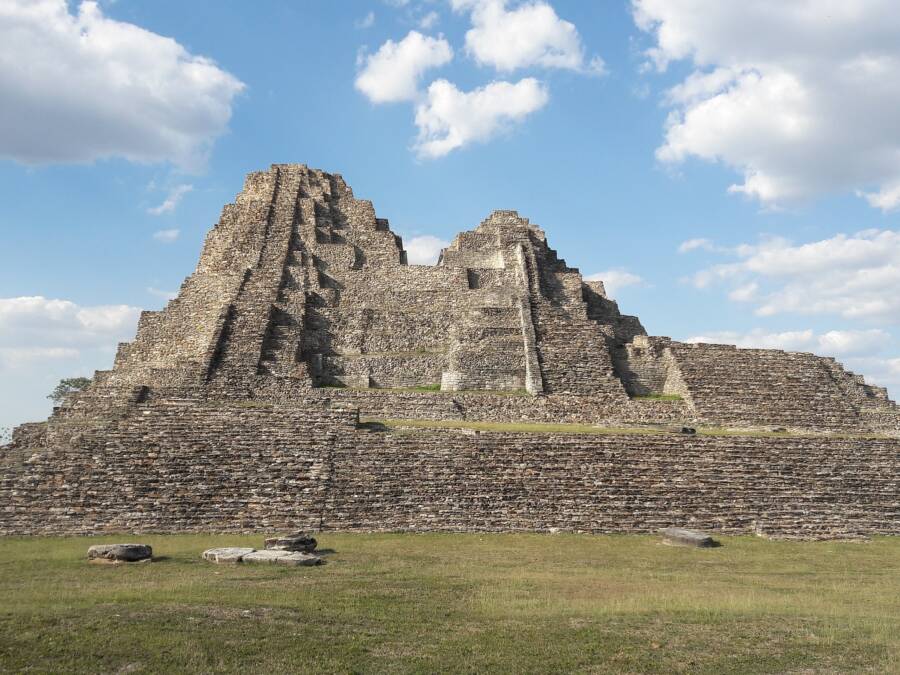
point(238, 406)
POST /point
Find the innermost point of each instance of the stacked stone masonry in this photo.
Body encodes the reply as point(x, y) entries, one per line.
point(177, 465)
point(237, 406)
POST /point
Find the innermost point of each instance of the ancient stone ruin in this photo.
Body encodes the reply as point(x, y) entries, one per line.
point(243, 405)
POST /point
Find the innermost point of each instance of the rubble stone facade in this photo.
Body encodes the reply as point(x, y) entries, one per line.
point(237, 407)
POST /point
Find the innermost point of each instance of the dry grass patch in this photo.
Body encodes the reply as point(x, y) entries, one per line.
point(398, 603)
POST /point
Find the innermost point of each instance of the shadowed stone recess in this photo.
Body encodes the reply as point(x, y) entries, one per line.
point(237, 407)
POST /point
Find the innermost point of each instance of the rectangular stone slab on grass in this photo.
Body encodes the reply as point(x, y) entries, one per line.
point(120, 552)
point(230, 554)
point(299, 560)
point(678, 536)
point(282, 558)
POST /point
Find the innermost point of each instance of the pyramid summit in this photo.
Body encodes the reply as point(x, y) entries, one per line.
point(244, 403)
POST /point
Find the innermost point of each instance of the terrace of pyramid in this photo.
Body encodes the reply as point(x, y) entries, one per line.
point(307, 377)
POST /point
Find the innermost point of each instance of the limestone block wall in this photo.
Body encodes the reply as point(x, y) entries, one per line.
point(647, 366)
point(177, 466)
point(488, 481)
point(762, 386)
point(181, 466)
point(495, 407)
point(619, 328)
point(388, 370)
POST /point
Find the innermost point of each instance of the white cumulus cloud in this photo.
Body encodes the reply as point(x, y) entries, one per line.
point(615, 280)
point(429, 20)
point(531, 34)
point(745, 293)
point(167, 236)
point(852, 276)
point(393, 72)
point(840, 342)
point(424, 249)
point(172, 200)
point(43, 340)
point(23, 357)
point(695, 245)
point(39, 322)
point(798, 97)
point(366, 22)
point(831, 343)
point(78, 87)
point(449, 118)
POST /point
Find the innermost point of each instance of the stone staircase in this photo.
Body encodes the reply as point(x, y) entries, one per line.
point(571, 349)
point(763, 387)
point(281, 347)
point(488, 351)
point(242, 339)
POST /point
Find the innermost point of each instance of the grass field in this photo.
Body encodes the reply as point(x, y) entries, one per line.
point(456, 603)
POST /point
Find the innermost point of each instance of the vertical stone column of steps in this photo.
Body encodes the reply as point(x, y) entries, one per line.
point(328, 255)
point(761, 387)
point(528, 279)
point(281, 348)
point(242, 339)
point(302, 278)
point(488, 352)
point(354, 219)
point(347, 245)
point(571, 349)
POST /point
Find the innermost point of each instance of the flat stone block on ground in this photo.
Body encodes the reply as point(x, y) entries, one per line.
point(230, 554)
point(120, 552)
point(282, 558)
point(299, 541)
point(298, 559)
point(679, 536)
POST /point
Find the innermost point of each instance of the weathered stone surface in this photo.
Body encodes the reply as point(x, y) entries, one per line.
point(678, 536)
point(297, 559)
point(229, 554)
point(282, 558)
point(120, 552)
point(237, 406)
point(299, 541)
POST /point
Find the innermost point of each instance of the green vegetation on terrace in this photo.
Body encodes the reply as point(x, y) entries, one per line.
point(467, 603)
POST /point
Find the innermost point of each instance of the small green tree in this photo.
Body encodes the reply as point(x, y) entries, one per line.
point(68, 386)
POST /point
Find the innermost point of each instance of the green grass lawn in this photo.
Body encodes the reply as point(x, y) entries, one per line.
point(427, 603)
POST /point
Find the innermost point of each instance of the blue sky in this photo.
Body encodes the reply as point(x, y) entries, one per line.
point(732, 172)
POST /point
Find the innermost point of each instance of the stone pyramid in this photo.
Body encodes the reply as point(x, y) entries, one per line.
point(232, 405)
